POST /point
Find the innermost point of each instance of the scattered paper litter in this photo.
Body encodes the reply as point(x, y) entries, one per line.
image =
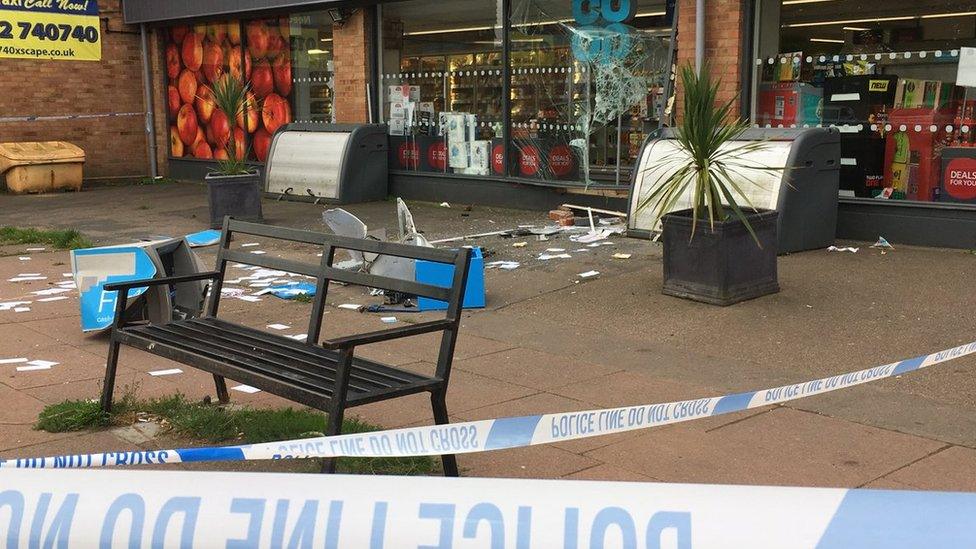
point(246, 389)
point(259, 252)
point(445, 205)
point(22, 309)
point(68, 275)
point(9, 305)
point(249, 298)
point(547, 257)
point(12, 360)
point(26, 278)
point(350, 306)
point(43, 363)
point(50, 299)
point(232, 292)
point(389, 319)
point(844, 249)
point(589, 274)
point(622, 256)
point(299, 337)
point(556, 250)
point(278, 326)
point(250, 244)
point(33, 368)
point(883, 243)
point(520, 244)
point(171, 372)
point(29, 274)
point(259, 284)
point(51, 291)
point(24, 258)
point(507, 265)
point(36, 249)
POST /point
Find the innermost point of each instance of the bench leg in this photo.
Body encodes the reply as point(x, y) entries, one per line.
point(222, 395)
point(333, 428)
point(438, 402)
point(108, 388)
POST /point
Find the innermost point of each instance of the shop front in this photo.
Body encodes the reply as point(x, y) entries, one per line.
point(499, 100)
point(889, 75)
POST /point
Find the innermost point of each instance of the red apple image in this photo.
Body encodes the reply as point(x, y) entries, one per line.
point(186, 124)
point(188, 86)
point(247, 64)
point(205, 103)
point(216, 32)
point(173, 64)
point(208, 135)
point(200, 137)
point(282, 75)
point(234, 32)
point(173, 101)
point(257, 38)
point(179, 33)
point(275, 112)
point(220, 154)
point(262, 144)
point(213, 62)
point(220, 126)
point(192, 51)
point(276, 45)
point(235, 63)
point(203, 150)
point(201, 30)
point(262, 79)
point(175, 142)
point(253, 113)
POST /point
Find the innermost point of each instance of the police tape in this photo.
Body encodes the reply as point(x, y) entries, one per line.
point(499, 434)
point(245, 510)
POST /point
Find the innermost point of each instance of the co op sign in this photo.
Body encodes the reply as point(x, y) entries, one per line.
point(603, 35)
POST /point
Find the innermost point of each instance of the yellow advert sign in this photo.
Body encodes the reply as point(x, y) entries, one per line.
point(50, 29)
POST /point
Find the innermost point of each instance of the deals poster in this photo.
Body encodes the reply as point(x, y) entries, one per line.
point(50, 29)
point(257, 53)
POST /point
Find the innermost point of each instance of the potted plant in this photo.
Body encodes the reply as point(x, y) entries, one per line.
point(234, 189)
point(721, 249)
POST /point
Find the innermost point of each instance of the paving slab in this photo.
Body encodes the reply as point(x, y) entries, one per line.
point(781, 447)
point(532, 368)
point(950, 469)
point(532, 462)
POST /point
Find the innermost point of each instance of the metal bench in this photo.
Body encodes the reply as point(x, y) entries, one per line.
point(328, 377)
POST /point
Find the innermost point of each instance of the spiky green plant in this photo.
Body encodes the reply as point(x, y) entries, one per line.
point(711, 164)
point(230, 96)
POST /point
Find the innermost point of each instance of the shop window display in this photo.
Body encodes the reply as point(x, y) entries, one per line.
point(441, 86)
point(885, 74)
point(587, 85)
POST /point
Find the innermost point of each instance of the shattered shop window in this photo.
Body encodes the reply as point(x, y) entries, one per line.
point(587, 82)
point(441, 85)
point(888, 75)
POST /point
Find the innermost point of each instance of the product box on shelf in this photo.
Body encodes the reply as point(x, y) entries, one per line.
point(456, 128)
point(862, 164)
point(856, 100)
point(458, 154)
point(913, 151)
point(403, 92)
point(789, 103)
point(480, 156)
point(958, 181)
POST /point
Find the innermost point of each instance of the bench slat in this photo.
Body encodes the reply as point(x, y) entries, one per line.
point(276, 263)
point(279, 233)
point(231, 333)
point(387, 283)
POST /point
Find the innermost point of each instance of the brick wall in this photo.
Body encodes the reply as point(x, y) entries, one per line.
point(352, 67)
point(724, 23)
point(114, 146)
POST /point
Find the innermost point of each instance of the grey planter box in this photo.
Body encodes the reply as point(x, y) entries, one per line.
point(721, 266)
point(238, 196)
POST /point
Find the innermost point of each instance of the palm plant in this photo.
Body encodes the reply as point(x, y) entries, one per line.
point(708, 162)
point(230, 96)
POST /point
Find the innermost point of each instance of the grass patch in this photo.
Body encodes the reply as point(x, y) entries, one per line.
point(68, 239)
point(303, 298)
point(214, 424)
